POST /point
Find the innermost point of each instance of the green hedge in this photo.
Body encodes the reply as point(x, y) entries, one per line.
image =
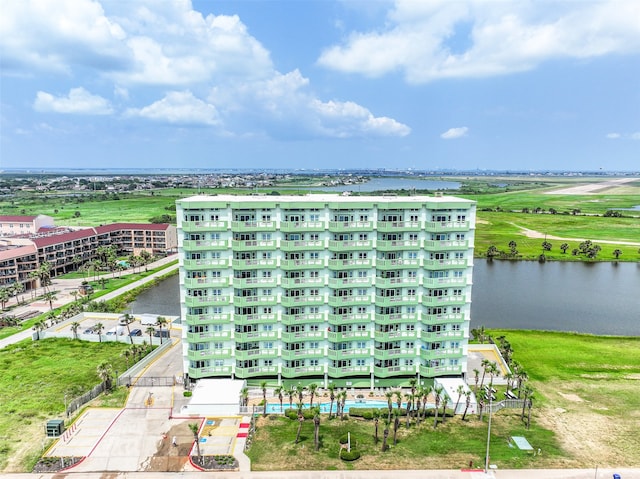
point(368, 412)
point(349, 456)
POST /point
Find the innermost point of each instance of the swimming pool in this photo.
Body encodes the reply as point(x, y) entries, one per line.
point(274, 408)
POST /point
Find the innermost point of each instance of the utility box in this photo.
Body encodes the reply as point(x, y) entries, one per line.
point(55, 427)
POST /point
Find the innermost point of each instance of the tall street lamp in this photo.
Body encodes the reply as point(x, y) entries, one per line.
point(486, 460)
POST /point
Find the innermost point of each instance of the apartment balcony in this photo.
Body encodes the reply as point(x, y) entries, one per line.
point(248, 226)
point(197, 226)
point(302, 336)
point(393, 226)
point(347, 226)
point(398, 245)
point(270, 263)
point(258, 371)
point(396, 282)
point(242, 319)
point(349, 371)
point(401, 263)
point(442, 353)
point(198, 264)
point(446, 245)
point(443, 300)
point(316, 245)
point(448, 318)
point(440, 335)
point(351, 282)
point(195, 301)
point(302, 282)
point(206, 282)
point(297, 226)
point(338, 301)
point(385, 372)
point(253, 245)
point(446, 226)
point(342, 264)
point(247, 301)
point(394, 335)
point(254, 282)
point(444, 282)
point(255, 336)
point(432, 372)
point(396, 300)
point(293, 301)
point(337, 337)
point(302, 371)
point(385, 319)
point(338, 246)
point(394, 353)
point(290, 355)
point(338, 354)
point(440, 264)
point(296, 264)
point(194, 319)
point(338, 319)
point(208, 336)
point(258, 353)
point(210, 371)
point(205, 245)
point(224, 353)
point(291, 319)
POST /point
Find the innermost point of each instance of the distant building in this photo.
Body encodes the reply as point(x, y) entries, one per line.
point(132, 238)
point(21, 225)
point(349, 290)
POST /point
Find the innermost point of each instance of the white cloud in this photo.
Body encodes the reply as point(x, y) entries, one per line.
point(504, 37)
point(635, 136)
point(453, 133)
point(627, 136)
point(178, 107)
point(79, 101)
point(613, 136)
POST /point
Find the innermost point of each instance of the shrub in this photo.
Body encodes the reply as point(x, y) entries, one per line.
point(187, 394)
point(345, 438)
point(349, 455)
point(291, 413)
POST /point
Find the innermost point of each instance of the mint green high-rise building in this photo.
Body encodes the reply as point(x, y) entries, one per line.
point(363, 291)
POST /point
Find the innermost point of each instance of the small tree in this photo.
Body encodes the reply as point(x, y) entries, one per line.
point(316, 429)
point(195, 429)
point(74, 329)
point(300, 421)
point(263, 386)
point(150, 330)
point(105, 371)
point(98, 328)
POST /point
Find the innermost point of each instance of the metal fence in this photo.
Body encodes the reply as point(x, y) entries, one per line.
point(77, 402)
point(507, 404)
point(150, 381)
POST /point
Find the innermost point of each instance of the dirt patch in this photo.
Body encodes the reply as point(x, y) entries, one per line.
point(571, 397)
point(169, 457)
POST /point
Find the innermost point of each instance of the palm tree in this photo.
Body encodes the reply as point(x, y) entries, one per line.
point(316, 429)
point(279, 392)
point(127, 319)
point(18, 289)
point(343, 399)
point(98, 328)
point(38, 327)
point(44, 273)
point(398, 395)
point(467, 404)
point(485, 365)
point(376, 421)
point(161, 321)
point(409, 398)
point(300, 393)
point(460, 391)
point(195, 429)
point(437, 390)
point(492, 251)
point(74, 329)
point(528, 392)
point(529, 405)
point(300, 421)
point(105, 371)
point(263, 386)
point(332, 397)
point(396, 425)
point(445, 400)
point(564, 247)
point(291, 392)
point(385, 434)
point(126, 354)
point(617, 253)
point(150, 330)
point(313, 387)
point(244, 397)
point(389, 396)
point(50, 296)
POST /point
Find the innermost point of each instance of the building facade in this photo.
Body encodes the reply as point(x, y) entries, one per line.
point(355, 291)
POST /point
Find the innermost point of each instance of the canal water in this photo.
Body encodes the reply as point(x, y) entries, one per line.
point(596, 298)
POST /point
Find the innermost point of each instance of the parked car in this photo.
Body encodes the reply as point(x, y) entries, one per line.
point(136, 332)
point(111, 332)
point(162, 333)
point(88, 331)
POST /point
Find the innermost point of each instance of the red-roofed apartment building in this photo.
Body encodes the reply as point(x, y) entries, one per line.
point(132, 238)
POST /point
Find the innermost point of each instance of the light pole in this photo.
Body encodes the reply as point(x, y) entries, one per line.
point(65, 405)
point(486, 459)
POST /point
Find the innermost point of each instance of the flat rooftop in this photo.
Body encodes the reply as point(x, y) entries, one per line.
point(326, 198)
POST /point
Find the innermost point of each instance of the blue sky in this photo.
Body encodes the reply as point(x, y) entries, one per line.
point(315, 84)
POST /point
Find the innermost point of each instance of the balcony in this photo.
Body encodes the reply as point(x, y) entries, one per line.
point(395, 300)
point(396, 282)
point(398, 245)
point(337, 319)
point(348, 371)
point(195, 301)
point(444, 282)
point(338, 301)
point(291, 319)
point(247, 301)
point(400, 263)
point(247, 226)
point(440, 335)
point(290, 355)
point(255, 336)
point(394, 353)
point(242, 319)
point(316, 245)
point(302, 336)
point(342, 264)
point(437, 226)
point(296, 226)
point(433, 354)
point(385, 372)
point(253, 245)
point(244, 373)
point(431, 372)
point(209, 335)
point(336, 337)
point(440, 264)
point(295, 264)
point(255, 282)
point(338, 354)
point(254, 263)
point(302, 371)
point(443, 318)
point(206, 282)
point(364, 245)
point(224, 353)
point(257, 353)
point(205, 245)
point(393, 226)
point(346, 226)
point(302, 282)
point(384, 319)
point(210, 371)
point(207, 318)
point(446, 245)
point(289, 302)
point(217, 263)
point(443, 300)
point(196, 226)
point(354, 281)
point(394, 335)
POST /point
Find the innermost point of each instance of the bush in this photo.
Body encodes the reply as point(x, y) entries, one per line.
point(349, 456)
point(187, 394)
point(291, 413)
point(345, 438)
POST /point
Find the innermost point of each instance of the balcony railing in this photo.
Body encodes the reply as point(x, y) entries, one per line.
point(348, 371)
point(302, 263)
point(339, 226)
point(439, 264)
point(253, 225)
point(350, 263)
point(392, 226)
point(209, 371)
point(336, 337)
point(193, 301)
point(396, 318)
point(387, 371)
point(302, 336)
point(338, 245)
point(431, 372)
point(306, 318)
point(445, 245)
point(302, 353)
point(194, 226)
point(294, 372)
point(254, 263)
point(398, 245)
point(295, 226)
point(435, 226)
point(302, 245)
point(338, 301)
point(244, 373)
